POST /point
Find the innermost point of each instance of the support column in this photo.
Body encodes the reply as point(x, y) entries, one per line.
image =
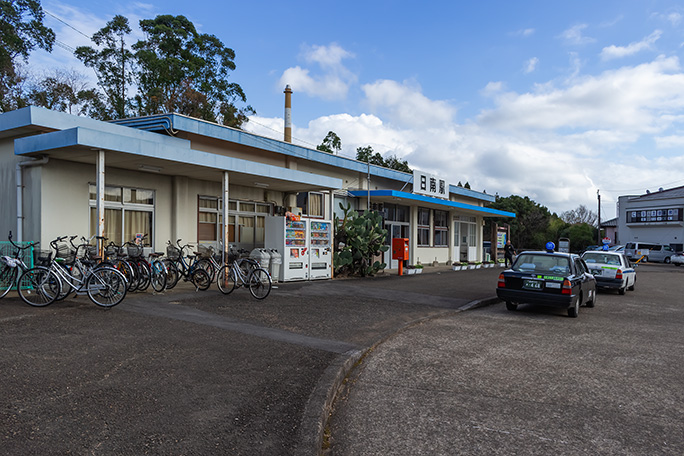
point(100, 185)
point(226, 228)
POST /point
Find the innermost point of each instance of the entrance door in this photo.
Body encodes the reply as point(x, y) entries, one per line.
point(394, 230)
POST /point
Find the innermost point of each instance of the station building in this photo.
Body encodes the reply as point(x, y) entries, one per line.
point(175, 177)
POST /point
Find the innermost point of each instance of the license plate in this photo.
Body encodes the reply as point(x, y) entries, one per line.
point(532, 284)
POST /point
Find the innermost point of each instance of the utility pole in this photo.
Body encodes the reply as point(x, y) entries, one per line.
point(599, 217)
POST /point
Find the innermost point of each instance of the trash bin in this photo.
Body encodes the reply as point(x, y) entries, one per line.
point(262, 256)
point(276, 261)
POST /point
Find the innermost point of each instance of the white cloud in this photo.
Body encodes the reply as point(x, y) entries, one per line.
point(632, 100)
point(524, 32)
point(531, 65)
point(574, 35)
point(406, 105)
point(614, 52)
point(333, 80)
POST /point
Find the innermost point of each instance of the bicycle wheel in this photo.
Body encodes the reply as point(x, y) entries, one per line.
point(145, 275)
point(172, 274)
point(259, 283)
point(39, 286)
point(201, 279)
point(106, 287)
point(125, 268)
point(205, 264)
point(225, 280)
point(158, 276)
point(70, 282)
point(7, 278)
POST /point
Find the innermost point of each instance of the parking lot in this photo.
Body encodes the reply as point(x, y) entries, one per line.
point(533, 381)
point(201, 373)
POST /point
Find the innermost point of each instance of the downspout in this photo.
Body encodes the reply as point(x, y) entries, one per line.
point(20, 192)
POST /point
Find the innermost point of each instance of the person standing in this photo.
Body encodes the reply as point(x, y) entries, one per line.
point(509, 251)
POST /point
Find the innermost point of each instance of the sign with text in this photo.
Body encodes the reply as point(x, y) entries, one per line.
point(430, 185)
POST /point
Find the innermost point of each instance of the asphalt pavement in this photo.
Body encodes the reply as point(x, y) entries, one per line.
point(193, 373)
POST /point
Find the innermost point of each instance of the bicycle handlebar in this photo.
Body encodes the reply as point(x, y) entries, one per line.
point(30, 244)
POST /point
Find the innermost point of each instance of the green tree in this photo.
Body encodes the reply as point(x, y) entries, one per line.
point(530, 227)
point(331, 143)
point(113, 64)
point(187, 72)
point(581, 236)
point(21, 31)
point(60, 90)
point(359, 238)
point(393, 162)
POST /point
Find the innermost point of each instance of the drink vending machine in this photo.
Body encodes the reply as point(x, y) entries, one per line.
point(320, 251)
point(306, 247)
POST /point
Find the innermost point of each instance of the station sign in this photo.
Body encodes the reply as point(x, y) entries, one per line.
point(430, 185)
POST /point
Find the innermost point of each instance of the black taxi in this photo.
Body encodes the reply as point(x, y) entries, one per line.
point(548, 278)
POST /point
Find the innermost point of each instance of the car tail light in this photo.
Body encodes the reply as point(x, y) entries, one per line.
point(567, 287)
point(502, 281)
point(618, 274)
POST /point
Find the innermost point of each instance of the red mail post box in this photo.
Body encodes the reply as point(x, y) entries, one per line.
point(400, 249)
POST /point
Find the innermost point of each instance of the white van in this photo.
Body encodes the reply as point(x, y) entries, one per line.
point(649, 251)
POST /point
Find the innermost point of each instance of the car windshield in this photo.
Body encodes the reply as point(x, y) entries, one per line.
point(597, 257)
point(544, 264)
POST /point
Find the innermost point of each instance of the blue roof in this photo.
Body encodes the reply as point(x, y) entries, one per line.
point(428, 199)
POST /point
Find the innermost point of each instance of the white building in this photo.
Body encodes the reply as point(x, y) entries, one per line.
point(168, 176)
point(654, 217)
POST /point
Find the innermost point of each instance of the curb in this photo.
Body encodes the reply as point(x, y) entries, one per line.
point(319, 406)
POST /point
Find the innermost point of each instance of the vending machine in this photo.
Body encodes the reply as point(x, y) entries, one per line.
point(320, 250)
point(289, 236)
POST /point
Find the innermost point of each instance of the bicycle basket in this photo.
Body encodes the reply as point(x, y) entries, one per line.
point(233, 257)
point(205, 251)
point(135, 251)
point(91, 251)
point(173, 253)
point(113, 251)
point(66, 253)
point(42, 257)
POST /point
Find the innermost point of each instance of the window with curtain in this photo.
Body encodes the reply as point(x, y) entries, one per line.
point(441, 229)
point(312, 204)
point(423, 226)
point(128, 212)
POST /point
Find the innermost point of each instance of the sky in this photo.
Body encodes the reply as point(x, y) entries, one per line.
point(557, 101)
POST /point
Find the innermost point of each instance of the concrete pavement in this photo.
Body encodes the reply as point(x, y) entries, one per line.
point(201, 373)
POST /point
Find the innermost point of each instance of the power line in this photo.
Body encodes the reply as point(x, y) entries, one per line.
point(65, 23)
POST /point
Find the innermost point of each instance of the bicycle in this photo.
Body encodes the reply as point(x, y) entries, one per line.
point(151, 271)
point(244, 272)
point(177, 266)
point(104, 285)
point(41, 288)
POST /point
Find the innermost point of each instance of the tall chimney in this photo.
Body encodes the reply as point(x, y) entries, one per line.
point(288, 113)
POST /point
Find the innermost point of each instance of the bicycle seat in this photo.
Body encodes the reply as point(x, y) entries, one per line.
point(156, 254)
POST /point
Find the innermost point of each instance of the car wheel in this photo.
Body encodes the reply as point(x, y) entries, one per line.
point(632, 287)
point(511, 306)
point(622, 290)
point(592, 303)
point(667, 260)
point(573, 311)
point(677, 264)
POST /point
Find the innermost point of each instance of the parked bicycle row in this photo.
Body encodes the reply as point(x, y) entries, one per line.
point(68, 268)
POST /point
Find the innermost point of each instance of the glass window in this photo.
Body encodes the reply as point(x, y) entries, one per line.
point(125, 213)
point(138, 196)
point(246, 230)
point(423, 226)
point(138, 222)
point(311, 204)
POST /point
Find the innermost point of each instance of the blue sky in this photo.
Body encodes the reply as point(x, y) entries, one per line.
point(551, 100)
